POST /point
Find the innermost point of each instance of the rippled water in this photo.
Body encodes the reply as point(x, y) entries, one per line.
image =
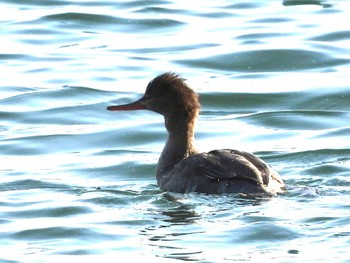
point(77, 182)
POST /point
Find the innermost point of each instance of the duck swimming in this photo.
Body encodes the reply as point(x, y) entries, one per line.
point(181, 167)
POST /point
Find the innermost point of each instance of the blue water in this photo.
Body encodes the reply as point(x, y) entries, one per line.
point(78, 182)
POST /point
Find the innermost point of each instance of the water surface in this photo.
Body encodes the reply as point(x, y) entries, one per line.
point(77, 182)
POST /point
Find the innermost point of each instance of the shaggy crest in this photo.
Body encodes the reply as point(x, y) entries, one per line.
point(183, 96)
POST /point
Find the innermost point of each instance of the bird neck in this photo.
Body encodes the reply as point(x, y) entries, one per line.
point(180, 143)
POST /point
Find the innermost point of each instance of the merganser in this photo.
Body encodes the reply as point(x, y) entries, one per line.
point(181, 167)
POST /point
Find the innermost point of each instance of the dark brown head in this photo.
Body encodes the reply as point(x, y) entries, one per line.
point(167, 94)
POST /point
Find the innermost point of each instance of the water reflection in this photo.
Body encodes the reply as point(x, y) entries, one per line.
point(182, 222)
point(168, 235)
